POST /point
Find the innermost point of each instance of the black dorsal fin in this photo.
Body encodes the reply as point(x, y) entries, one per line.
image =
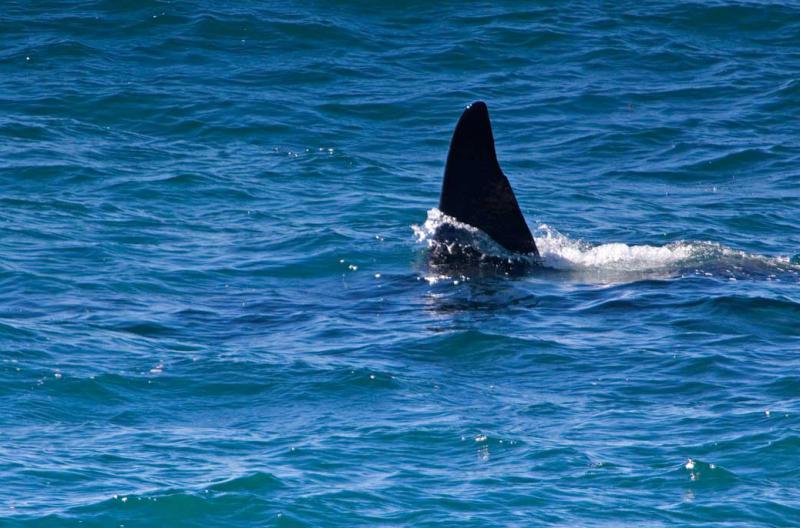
point(475, 190)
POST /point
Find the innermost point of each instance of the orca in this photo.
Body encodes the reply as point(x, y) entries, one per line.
point(476, 192)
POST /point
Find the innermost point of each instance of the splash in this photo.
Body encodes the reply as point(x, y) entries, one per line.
point(562, 253)
point(437, 220)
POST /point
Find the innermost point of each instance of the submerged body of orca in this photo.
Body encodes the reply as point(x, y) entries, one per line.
point(475, 192)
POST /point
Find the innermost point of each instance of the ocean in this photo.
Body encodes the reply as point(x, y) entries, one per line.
point(216, 307)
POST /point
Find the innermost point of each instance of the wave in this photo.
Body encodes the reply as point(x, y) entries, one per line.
point(559, 252)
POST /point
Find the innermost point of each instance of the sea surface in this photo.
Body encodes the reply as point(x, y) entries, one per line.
point(216, 307)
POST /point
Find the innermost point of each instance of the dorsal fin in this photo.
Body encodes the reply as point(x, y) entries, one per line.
point(475, 190)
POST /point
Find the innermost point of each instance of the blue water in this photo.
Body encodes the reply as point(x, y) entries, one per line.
point(215, 306)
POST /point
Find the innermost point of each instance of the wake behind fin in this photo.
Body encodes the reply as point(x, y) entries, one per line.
point(475, 190)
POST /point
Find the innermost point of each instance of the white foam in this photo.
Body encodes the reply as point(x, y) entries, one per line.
point(436, 218)
point(560, 252)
